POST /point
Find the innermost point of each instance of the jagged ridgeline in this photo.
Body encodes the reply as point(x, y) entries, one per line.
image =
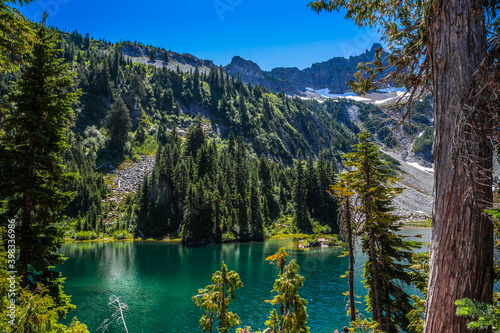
point(230, 173)
point(275, 124)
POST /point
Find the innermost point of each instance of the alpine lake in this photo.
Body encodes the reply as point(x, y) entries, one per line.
point(157, 279)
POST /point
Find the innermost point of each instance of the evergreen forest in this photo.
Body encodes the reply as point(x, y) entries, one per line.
point(104, 140)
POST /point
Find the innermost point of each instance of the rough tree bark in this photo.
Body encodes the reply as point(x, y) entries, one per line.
point(461, 257)
point(348, 224)
point(346, 227)
point(376, 304)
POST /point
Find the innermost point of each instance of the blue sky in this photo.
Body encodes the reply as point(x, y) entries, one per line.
point(270, 33)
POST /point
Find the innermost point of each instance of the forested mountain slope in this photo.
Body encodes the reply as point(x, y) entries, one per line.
point(233, 160)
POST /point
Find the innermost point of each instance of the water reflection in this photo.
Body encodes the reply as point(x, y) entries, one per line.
point(157, 281)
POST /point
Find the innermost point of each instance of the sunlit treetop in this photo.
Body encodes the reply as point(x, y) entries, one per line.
point(16, 35)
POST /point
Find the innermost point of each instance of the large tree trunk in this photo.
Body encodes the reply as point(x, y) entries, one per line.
point(461, 261)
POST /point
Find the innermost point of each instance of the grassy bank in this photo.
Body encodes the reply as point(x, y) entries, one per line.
point(419, 224)
point(111, 239)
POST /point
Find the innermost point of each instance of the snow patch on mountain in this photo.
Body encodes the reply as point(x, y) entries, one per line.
point(418, 166)
point(349, 95)
point(392, 89)
point(380, 97)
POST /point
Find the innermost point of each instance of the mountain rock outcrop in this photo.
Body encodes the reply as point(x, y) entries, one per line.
point(332, 74)
point(185, 62)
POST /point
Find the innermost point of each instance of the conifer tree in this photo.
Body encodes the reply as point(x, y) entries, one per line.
point(222, 80)
point(215, 299)
point(340, 190)
point(255, 212)
point(300, 196)
point(101, 84)
point(86, 42)
point(115, 69)
point(243, 110)
point(16, 35)
point(199, 225)
point(279, 260)
point(265, 176)
point(389, 254)
point(196, 85)
point(118, 124)
point(311, 186)
point(195, 137)
point(294, 316)
point(241, 199)
point(152, 55)
point(449, 49)
point(231, 145)
point(33, 174)
point(144, 202)
point(213, 81)
point(167, 102)
point(273, 321)
point(327, 204)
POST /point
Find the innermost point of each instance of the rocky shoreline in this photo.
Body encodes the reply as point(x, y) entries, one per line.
point(317, 242)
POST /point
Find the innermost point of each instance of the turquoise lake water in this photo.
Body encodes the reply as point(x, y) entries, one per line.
point(157, 280)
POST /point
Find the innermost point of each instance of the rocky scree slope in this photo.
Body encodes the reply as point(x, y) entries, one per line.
point(128, 177)
point(416, 200)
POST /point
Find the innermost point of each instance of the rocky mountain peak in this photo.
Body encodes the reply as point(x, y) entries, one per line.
point(375, 46)
point(247, 68)
point(332, 74)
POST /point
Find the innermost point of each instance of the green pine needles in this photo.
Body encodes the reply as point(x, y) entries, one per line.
point(387, 269)
point(33, 174)
point(214, 299)
point(484, 315)
point(292, 316)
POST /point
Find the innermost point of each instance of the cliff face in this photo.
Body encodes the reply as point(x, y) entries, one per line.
point(251, 73)
point(332, 74)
